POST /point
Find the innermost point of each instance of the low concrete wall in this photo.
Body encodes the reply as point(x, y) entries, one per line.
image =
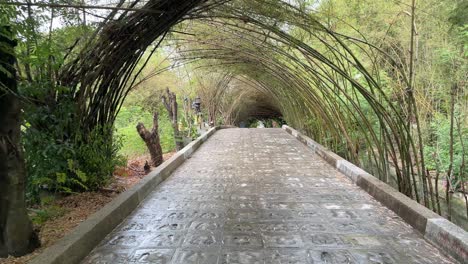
point(449, 237)
point(75, 246)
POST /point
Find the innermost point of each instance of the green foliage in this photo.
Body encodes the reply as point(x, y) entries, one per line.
point(7, 13)
point(458, 15)
point(97, 155)
point(437, 151)
point(60, 157)
point(47, 213)
point(188, 126)
point(60, 161)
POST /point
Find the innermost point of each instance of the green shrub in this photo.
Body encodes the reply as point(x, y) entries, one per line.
point(59, 158)
point(41, 216)
point(97, 156)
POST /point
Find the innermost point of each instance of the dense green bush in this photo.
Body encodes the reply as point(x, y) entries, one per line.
point(58, 157)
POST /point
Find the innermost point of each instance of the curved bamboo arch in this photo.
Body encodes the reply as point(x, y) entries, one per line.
point(304, 68)
point(332, 102)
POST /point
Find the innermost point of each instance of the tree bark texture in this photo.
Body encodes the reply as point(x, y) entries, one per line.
point(170, 103)
point(16, 232)
point(152, 140)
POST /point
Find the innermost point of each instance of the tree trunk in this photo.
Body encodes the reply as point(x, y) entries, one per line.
point(16, 233)
point(212, 117)
point(170, 103)
point(436, 188)
point(152, 141)
point(462, 166)
point(448, 189)
point(412, 107)
point(431, 192)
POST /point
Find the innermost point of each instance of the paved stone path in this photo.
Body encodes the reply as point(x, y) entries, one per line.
point(259, 196)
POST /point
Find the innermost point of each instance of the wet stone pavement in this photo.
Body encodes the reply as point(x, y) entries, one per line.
point(259, 196)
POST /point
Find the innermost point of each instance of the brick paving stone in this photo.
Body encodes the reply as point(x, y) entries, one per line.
point(259, 196)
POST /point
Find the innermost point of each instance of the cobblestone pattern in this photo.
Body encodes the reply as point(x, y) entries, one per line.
point(259, 196)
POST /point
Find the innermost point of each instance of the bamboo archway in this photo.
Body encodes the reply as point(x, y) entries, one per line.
point(282, 50)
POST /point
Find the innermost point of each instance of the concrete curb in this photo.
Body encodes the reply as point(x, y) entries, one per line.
point(75, 246)
point(449, 237)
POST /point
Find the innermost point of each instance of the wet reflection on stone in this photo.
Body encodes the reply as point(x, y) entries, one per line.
point(108, 256)
point(283, 240)
point(243, 257)
point(188, 256)
point(206, 226)
point(169, 239)
point(331, 257)
point(283, 256)
point(161, 256)
point(170, 226)
point(376, 257)
point(201, 239)
point(243, 240)
point(258, 196)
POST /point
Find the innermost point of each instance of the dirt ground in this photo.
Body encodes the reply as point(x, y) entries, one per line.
point(78, 207)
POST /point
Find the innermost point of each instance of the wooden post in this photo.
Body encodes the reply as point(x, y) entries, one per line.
point(170, 102)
